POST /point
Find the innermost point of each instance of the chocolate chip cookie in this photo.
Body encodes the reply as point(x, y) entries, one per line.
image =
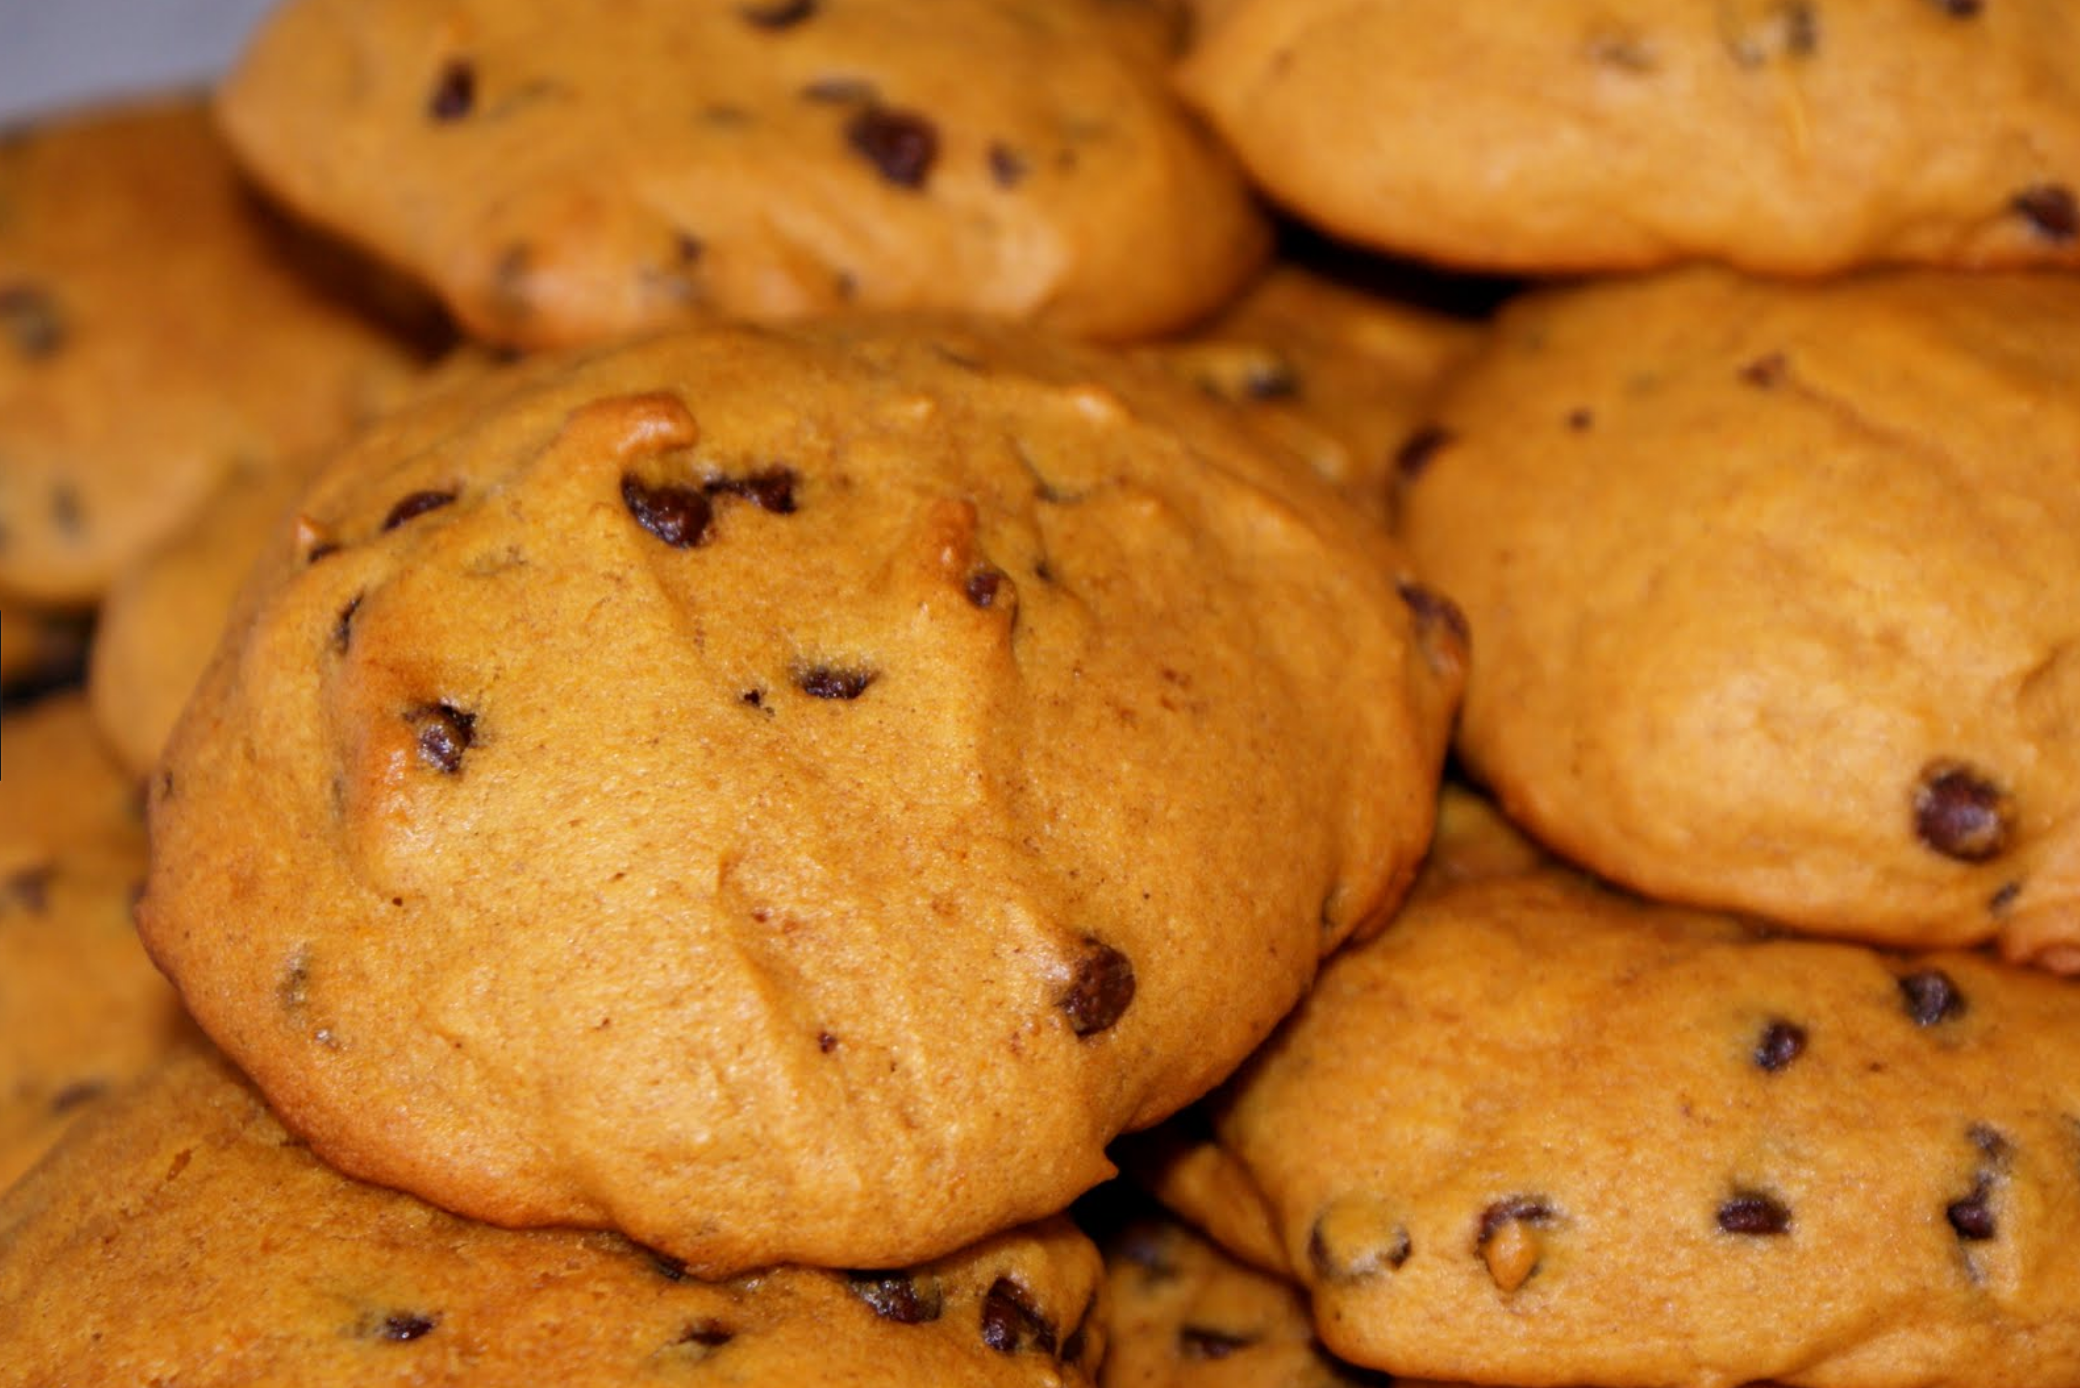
point(1798, 137)
point(180, 1235)
point(791, 795)
point(1771, 591)
point(558, 180)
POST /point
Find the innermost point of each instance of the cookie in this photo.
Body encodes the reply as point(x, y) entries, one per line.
point(1768, 588)
point(61, 795)
point(1538, 1132)
point(181, 1236)
point(1336, 374)
point(38, 647)
point(157, 335)
point(556, 180)
point(1789, 137)
point(791, 796)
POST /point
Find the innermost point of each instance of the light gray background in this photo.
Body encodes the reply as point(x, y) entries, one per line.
point(60, 53)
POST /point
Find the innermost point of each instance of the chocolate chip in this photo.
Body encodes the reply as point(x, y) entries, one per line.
point(1439, 622)
point(1960, 9)
point(1960, 813)
point(1801, 28)
point(1972, 1217)
point(66, 513)
point(1752, 1213)
point(1079, 1339)
point(779, 14)
point(825, 1042)
point(983, 586)
point(343, 629)
point(1271, 379)
point(1196, 1342)
point(665, 1265)
point(1010, 1321)
point(324, 549)
point(705, 1334)
point(2050, 208)
point(2003, 899)
point(1781, 1043)
point(31, 321)
point(833, 682)
point(402, 1326)
point(1355, 1238)
point(1931, 997)
point(898, 1297)
point(677, 515)
point(29, 888)
point(1007, 167)
point(1580, 421)
point(900, 144)
point(414, 506)
point(771, 490)
point(454, 91)
point(1517, 1209)
point(1100, 990)
point(1989, 1140)
point(77, 1093)
point(445, 733)
point(1419, 451)
point(756, 698)
point(1766, 372)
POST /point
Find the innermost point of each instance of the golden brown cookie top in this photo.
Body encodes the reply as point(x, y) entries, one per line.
point(1339, 375)
point(1784, 136)
point(1539, 1132)
point(791, 795)
point(157, 333)
point(559, 180)
point(1770, 590)
point(180, 1235)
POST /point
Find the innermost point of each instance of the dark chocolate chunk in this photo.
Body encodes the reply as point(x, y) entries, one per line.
point(343, 629)
point(754, 697)
point(1010, 1321)
point(677, 515)
point(833, 682)
point(1100, 989)
point(31, 321)
point(1517, 1209)
point(1007, 167)
point(2051, 209)
point(1931, 997)
point(1753, 1213)
point(825, 1042)
point(898, 1297)
point(1972, 1217)
point(401, 1326)
point(1419, 451)
point(1781, 1043)
point(771, 490)
point(902, 145)
point(1201, 1342)
point(1960, 813)
point(454, 91)
point(445, 733)
point(983, 586)
point(777, 14)
point(414, 506)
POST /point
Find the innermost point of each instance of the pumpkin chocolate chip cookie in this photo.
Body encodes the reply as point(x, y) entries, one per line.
point(1772, 594)
point(791, 795)
point(558, 180)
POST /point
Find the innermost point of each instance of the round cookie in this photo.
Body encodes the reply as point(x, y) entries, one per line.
point(556, 180)
point(156, 336)
point(1541, 1133)
point(62, 798)
point(791, 796)
point(1340, 376)
point(1771, 593)
point(181, 1236)
point(1790, 137)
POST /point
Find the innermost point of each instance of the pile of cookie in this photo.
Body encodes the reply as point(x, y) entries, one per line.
point(762, 638)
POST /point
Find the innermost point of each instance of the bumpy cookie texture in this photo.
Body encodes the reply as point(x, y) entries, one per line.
point(181, 1236)
point(1541, 1133)
point(157, 335)
point(791, 796)
point(1340, 376)
point(1772, 590)
point(1783, 136)
point(557, 180)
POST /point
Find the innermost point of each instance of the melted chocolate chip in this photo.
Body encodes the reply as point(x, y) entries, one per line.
point(324, 549)
point(1419, 451)
point(1766, 372)
point(1007, 167)
point(1271, 379)
point(825, 1042)
point(1517, 1209)
point(401, 1326)
point(343, 629)
point(30, 321)
point(1960, 9)
point(454, 93)
point(1010, 1321)
point(1580, 421)
point(983, 586)
point(1801, 28)
point(414, 506)
point(1960, 813)
point(2003, 899)
point(677, 515)
point(1079, 1339)
point(445, 733)
point(756, 698)
point(901, 145)
point(1781, 1043)
point(1437, 618)
point(2051, 209)
point(1350, 1260)
point(833, 682)
point(1972, 1217)
point(1989, 1140)
point(1752, 1213)
point(706, 1334)
point(1198, 1342)
point(898, 1297)
point(779, 14)
point(29, 888)
point(1100, 990)
point(1931, 997)
point(771, 490)
point(665, 1265)
point(77, 1093)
